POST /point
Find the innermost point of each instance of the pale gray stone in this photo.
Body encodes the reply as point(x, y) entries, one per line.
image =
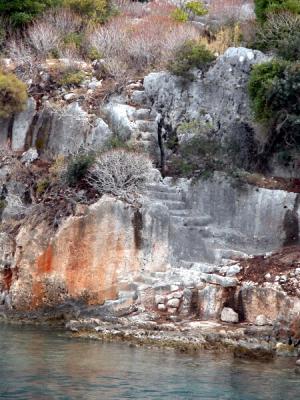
point(21, 125)
point(229, 315)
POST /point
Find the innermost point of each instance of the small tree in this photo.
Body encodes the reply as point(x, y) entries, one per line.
point(264, 7)
point(92, 10)
point(191, 54)
point(280, 33)
point(120, 173)
point(21, 12)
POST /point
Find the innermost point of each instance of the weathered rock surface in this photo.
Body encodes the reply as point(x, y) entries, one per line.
point(220, 97)
point(229, 315)
point(179, 254)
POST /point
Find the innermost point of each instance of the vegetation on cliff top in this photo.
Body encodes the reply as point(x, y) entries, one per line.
point(132, 39)
point(13, 95)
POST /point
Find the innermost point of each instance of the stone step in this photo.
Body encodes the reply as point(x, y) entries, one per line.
point(176, 220)
point(147, 136)
point(166, 195)
point(146, 126)
point(175, 205)
point(180, 213)
point(198, 221)
point(199, 267)
point(139, 97)
point(229, 254)
point(127, 294)
point(143, 113)
point(162, 188)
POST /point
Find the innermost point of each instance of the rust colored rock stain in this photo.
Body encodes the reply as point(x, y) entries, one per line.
point(88, 257)
point(44, 262)
point(7, 278)
point(37, 294)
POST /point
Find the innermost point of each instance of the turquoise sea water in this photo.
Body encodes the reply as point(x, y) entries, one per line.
point(40, 364)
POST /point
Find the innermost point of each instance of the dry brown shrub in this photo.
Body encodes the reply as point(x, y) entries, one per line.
point(64, 20)
point(143, 43)
point(43, 38)
point(120, 173)
point(227, 36)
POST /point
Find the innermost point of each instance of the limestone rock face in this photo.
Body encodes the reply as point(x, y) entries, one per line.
point(220, 97)
point(210, 300)
point(21, 125)
point(120, 118)
point(89, 258)
point(53, 131)
point(271, 302)
point(65, 131)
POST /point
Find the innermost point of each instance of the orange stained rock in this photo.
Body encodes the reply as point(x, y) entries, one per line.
point(88, 256)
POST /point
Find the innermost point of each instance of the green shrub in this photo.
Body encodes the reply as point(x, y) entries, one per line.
point(21, 12)
point(199, 155)
point(41, 186)
point(274, 90)
point(115, 142)
point(13, 95)
point(91, 10)
point(280, 33)
point(78, 167)
point(191, 54)
point(196, 8)
point(74, 39)
point(265, 7)
point(3, 204)
point(198, 152)
point(72, 78)
point(261, 81)
point(94, 54)
point(179, 15)
point(190, 9)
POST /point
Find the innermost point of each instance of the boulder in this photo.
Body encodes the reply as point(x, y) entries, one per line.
point(261, 320)
point(173, 303)
point(29, 156)
point(121, 119)
point(229, 315)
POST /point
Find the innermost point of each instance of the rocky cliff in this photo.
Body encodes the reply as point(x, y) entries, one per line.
point(186, 248)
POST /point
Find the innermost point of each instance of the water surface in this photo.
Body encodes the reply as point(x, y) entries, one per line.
point(40, 364)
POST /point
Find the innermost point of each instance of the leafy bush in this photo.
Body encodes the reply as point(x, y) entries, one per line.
point(115, 142)
point(72, 78)
point(74, 38)
point(274, 90)
point(280, 33)
point(120, 173)
point(92, 10)
point(191, 54)
point(93, 54)
point(13, 95)
point(78, 167)
point(199, 155)
point(21, 12)
point(260, 84)
point(179, 15)
point(265, 7)
point(196, 8)
point(41, 186)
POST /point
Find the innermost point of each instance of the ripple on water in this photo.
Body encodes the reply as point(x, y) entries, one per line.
point(40, 364)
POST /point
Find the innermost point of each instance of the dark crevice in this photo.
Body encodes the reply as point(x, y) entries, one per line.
point(291, 225)
point(137, 223)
